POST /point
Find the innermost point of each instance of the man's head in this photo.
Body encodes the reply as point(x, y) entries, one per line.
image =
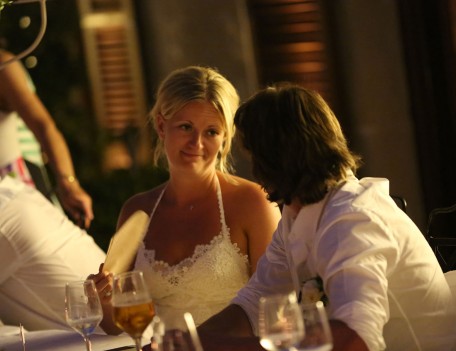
point(297, 145)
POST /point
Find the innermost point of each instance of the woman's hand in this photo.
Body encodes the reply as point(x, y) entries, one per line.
point(103, 281)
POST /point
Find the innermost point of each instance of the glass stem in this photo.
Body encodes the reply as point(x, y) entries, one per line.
point(138, 344)
point(88, 343)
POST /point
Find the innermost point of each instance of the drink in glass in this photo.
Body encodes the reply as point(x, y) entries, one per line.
point(280, 322)
point(317, 331)
point(83, 310)
point(133, 308)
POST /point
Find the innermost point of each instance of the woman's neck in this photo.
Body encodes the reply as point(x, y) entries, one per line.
point(187, 192)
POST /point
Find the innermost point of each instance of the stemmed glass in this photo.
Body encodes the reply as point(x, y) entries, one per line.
point(180, 335)
point(280, 322)
point(133, 308)
point(317, 332)
point(83, 309)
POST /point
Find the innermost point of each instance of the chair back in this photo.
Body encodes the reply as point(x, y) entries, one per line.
point(400, 201)
point(42, 182)
point(441, 235)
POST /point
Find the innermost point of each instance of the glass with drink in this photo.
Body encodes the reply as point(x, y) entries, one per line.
point(83, 310)
point(280, 322)
point(133, 308)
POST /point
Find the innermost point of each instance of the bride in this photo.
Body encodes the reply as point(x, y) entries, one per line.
point(207, 227)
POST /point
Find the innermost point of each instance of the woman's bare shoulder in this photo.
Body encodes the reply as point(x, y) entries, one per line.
point(143, 201)
point(244, 195)
point(242, 187)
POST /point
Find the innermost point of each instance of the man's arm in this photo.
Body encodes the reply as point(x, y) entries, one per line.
point(229, 330)
point(232, 321)
point(345, 338)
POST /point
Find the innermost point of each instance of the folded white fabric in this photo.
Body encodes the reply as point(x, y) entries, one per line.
point(6, 330)
point(451, 280)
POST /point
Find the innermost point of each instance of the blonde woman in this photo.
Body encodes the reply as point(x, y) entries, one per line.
point(207, 227)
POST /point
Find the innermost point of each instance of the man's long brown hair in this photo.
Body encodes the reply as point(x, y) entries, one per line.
point(297, 145)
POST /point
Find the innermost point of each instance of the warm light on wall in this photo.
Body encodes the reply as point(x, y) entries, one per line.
point(115, 72)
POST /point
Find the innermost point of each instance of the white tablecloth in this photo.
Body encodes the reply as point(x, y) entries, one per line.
point(60, 340)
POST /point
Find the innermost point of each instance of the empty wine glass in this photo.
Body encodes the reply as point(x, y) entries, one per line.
point(280, 322)
point(133, 308)
point(83, 309)
point(317, 332)
point(179, 334)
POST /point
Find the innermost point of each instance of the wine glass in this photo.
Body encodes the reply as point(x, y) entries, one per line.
point(179, 334)
point(83, 311)
point(317, 332)
point(133, 308)
point(280, 322)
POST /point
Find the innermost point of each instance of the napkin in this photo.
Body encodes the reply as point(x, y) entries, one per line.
point(125, 242)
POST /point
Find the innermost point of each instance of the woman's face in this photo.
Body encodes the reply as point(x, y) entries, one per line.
point(192, 137)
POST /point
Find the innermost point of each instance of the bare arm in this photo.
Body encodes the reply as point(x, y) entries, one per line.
point(346, 339)
point(231, 321)
point(230, 330)
point(259, 219)
point(263, 225)
point(16, 95)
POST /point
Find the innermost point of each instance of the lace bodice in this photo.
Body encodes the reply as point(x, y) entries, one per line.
point(202, 284)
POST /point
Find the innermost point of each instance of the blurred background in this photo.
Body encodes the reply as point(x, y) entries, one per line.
point(387, 68)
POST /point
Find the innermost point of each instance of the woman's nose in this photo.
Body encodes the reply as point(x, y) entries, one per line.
point(196, 138)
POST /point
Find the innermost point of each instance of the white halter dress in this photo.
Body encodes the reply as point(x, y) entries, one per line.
point(202, 284)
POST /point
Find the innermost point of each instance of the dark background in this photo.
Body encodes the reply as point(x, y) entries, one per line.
point(389, 76)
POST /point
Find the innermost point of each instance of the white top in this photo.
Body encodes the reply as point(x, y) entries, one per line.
point(10, 149)
point(16, 139)
point(40, 250)
point(379, 273)
point(202, 284)
point(30, 147)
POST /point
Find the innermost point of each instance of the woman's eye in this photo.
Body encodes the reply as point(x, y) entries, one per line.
point(213, 132)
point(185, 127)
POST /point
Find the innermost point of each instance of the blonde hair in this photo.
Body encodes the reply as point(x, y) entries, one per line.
point(196, 83)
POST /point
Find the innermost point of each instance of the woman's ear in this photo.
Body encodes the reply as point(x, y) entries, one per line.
point(161, 126)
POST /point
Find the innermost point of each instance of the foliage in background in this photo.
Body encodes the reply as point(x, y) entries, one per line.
point(3, 3)
point(110, 191)
point(62, 84)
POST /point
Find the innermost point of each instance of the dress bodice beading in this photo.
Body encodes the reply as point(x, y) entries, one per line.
point(202, 284)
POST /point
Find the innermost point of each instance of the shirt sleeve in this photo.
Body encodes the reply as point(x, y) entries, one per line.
point(359, 248)
point(271, 277)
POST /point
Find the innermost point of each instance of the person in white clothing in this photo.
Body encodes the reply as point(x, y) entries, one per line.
point(19, 101)
point(207, 228)
point(40, 250)
point(383, 285)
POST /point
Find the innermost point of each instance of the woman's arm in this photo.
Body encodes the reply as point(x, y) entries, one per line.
point(259, 219)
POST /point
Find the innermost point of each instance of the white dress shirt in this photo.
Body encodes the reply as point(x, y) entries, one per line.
point(40, 250)
point(379, 273)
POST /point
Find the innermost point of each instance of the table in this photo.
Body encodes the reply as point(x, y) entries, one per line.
point(61, 340)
